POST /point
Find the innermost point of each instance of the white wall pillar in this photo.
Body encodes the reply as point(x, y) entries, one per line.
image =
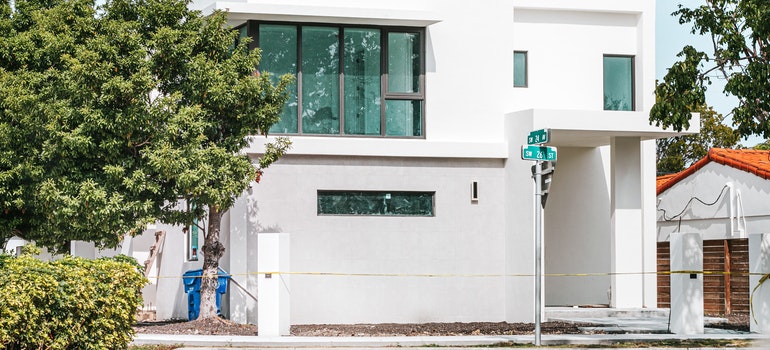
point(83, 249)
point(241, 304)
point(686, 288)
point(759, 265)
point(273, 288)
point(626, 238)
point(649, 225)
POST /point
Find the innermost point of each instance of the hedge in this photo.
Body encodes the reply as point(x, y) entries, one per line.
point(71, 303)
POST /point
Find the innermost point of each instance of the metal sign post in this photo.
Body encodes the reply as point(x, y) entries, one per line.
point(538, 242)
point(544, 157)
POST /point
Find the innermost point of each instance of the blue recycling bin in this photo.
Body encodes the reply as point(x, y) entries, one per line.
point(192, 286)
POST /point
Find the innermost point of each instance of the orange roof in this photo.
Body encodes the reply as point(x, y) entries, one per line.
point(753, 161)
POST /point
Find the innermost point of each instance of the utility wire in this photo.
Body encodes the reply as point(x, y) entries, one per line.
point(679, 215)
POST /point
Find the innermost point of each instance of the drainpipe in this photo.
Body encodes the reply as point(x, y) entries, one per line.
point(731, 200)
point(737, 226)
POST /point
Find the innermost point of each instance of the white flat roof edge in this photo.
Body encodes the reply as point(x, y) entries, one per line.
point(605, 6)
point(340, 15)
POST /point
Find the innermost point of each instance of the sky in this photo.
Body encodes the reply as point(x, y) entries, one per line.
point(671, 37)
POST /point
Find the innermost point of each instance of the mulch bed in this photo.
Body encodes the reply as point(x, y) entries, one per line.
point(219, 326)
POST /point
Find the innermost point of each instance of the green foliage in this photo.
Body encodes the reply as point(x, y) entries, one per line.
point(32, 249)
point(677, 153)
point(110, 114)
point(72, 303)
point(764, 146)
point(740, 32)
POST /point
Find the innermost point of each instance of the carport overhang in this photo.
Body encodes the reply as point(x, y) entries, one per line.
point(630, 158)
point(578, 128)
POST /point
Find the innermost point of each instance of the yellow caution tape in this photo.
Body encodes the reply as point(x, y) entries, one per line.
point(447, 275)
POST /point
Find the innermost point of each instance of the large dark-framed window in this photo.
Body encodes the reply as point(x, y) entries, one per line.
point(619, 83)
point(376, 203)
point(352, 80)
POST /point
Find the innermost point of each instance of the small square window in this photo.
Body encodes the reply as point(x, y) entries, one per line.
point(520, 69)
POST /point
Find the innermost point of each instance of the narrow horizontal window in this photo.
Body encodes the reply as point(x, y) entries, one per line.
point(375, 203)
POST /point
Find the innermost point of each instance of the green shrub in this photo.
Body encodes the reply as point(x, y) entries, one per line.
point(72, 303)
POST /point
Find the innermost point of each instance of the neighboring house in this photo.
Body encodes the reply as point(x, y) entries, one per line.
point(725, 197)
point(407, 119)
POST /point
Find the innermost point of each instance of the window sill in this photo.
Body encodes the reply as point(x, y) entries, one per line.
point(386, 147)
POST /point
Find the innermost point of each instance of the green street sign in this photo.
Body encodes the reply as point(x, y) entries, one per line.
point(539, 136)
point(538, 153)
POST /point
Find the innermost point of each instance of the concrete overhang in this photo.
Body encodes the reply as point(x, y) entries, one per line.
point(240, 11)
point(597, 6)
point(578, 128)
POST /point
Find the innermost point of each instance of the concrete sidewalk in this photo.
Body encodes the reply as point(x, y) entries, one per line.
point(619, 326)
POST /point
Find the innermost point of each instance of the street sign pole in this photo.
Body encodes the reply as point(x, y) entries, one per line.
point(538, 242)
point(537, 151)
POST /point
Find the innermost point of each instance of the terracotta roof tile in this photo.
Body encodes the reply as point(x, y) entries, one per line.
point(753, 161)
point(663, 179)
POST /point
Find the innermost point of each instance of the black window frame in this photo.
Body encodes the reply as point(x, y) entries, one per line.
point(252, 28)
point(432, 195)
point(633, 81)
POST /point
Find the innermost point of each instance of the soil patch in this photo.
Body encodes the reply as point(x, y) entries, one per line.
point(219, 326)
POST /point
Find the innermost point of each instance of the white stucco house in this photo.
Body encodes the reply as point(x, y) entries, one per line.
point(405, 198)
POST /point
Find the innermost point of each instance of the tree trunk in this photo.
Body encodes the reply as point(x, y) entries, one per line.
point(212, 252)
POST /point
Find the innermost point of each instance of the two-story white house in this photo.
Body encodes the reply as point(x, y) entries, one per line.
point(404, 196)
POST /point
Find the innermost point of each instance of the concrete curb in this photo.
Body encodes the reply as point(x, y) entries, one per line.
point(444, 341)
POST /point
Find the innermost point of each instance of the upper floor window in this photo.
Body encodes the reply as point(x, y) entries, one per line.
point(520, 69)
point(351, 80)
point(618, 83)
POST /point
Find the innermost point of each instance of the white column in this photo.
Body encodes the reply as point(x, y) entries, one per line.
point(626, 238)
point(759, 265)
point(649, 226)
point(273, 288)
point(686, 288)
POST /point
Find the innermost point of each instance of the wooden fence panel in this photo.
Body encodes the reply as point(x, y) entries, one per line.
point(725, 283)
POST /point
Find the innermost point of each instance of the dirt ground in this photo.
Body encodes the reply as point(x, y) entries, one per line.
point(224, 327)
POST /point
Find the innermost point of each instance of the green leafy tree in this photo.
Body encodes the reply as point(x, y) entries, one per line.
point(764, 146)
point(740, 34)
point(115, 116)
point(674, 154)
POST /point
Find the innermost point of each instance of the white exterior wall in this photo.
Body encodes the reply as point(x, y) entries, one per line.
point(475, 124)
point(462, 238)
point(749, 197)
